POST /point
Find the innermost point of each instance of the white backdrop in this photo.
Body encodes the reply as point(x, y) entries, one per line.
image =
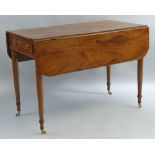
point(68, 97)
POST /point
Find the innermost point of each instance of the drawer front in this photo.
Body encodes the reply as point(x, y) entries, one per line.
point(20, 45)
point(70, 54)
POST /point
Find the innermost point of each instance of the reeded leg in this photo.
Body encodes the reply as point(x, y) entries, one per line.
point(140, 81)
point(16, 80)
point(40, 100)
point(108, 79)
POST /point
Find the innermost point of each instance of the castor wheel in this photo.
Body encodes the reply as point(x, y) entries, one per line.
point(18, 113)
point(109, 92)
point(139, 105)
point(43, 131)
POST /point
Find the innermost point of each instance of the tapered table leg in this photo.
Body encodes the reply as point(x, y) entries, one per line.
point(108, 79)
point(16, 80)
point(40, 100)
point(140, 81)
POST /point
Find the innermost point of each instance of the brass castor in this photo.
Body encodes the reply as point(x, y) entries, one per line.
point(43, 131)
point(18, 113)
point(109, 92)
point(139, 105)
point(139, 101)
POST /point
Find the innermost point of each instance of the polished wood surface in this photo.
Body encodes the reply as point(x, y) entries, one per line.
point(16, 80)
point(75, 47)
point(69, 30)
point(80, 53)
point(54, 56)
point(21, 57)
point(140, 80)
point(40, 100)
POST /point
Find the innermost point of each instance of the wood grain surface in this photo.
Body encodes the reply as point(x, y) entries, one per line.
point(90, 30)
point(77, 53)
point(73, 29)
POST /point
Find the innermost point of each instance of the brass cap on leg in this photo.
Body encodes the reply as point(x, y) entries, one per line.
point(109, 92)
point(18, 113)
point(139, 105)
point(43, 131)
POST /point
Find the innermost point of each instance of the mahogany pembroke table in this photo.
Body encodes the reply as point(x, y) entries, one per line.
point(75, 47)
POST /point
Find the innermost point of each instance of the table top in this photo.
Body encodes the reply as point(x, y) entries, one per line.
point(74, 29)
point(74, 47)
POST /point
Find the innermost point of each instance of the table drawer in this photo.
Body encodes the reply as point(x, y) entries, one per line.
point(20, 45)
